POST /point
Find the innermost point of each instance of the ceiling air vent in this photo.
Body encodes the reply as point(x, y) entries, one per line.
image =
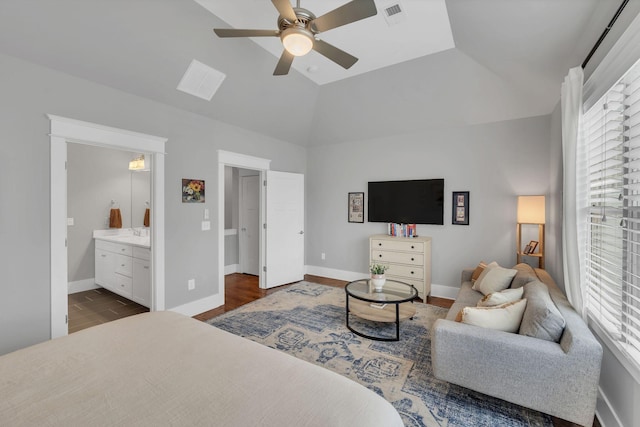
point(394, 13)
point(201, 80)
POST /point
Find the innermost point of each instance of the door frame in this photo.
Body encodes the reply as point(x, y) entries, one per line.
point(243, 161)
point(62, 131)
point(242, 220)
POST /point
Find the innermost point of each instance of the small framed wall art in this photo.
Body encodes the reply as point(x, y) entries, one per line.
point(460, 208)
point(192, 190)
point(356, 207)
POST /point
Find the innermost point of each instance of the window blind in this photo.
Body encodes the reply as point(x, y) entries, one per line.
point(611, 139)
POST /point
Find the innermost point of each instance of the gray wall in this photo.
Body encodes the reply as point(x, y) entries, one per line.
point(495, 162)
point(29, 92)
point(95, 176)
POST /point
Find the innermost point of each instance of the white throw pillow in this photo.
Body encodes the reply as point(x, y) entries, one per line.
point(496, 279)
point(483, 273)
point(505, 317)
point(502, 297)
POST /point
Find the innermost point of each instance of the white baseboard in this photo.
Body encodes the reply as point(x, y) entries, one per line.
point(232, 268)
point(439, 291)
point(199, 306)
point(605, 412)
point(82, 285)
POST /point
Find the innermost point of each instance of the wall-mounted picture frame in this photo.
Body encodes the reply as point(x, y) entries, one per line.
point(192, 190)
point(356, 207)
point(460, 208)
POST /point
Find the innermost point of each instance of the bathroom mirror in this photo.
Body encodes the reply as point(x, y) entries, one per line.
point(140, 196)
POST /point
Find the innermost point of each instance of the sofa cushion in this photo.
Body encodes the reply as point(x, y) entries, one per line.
point(494, 279)
point(541, 319)
point(502, 297)
point(505, 317)
point(524, 275)
point(479, 269)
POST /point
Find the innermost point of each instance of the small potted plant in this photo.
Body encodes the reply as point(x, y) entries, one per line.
point(377, 275)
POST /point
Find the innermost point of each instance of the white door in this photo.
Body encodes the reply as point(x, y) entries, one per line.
point(250, 225)
point(285, 228)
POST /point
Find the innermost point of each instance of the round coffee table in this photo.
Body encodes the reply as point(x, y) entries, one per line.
point(391, 304)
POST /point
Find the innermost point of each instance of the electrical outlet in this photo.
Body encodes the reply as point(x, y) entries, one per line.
point(70, 221)
point(322, 256)
point(191, 284)
point(206, 225)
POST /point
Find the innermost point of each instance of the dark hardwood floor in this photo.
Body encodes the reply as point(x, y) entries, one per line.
point(91, 308)
point(242, 289)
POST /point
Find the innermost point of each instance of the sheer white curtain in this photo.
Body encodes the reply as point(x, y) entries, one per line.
point(573, 222)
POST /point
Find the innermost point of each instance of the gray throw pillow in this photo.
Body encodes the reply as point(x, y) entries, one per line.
point(541, 318)
point(524, 275)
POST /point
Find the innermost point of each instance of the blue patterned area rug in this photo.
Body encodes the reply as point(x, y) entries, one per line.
point(307, 321)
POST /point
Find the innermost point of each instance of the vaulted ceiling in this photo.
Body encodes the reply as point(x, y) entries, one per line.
point(506, 60)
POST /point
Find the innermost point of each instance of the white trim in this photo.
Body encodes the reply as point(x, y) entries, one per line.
point(230, 231)
point(81, 286)
point(231, 268)
point(443, 291)
point(63, 130)
point(606, 406)
point(227, 158)
point(440, 291)
point(200, 306)
point(243, 161)
point(623, 358)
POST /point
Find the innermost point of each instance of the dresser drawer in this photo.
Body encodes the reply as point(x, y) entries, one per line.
point(142, 253)
point(123, 285)
point(124, 265)
point(114, 247)
point(405, 271)
point(397, 257)
point(397, 245)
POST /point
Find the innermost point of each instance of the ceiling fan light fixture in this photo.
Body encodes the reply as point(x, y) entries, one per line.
point(297, 41)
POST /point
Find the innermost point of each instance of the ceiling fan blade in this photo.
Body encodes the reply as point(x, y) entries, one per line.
point(346, 14)
point(232, 32)
point(338, 56)
point(284, 64)
point(285, 10)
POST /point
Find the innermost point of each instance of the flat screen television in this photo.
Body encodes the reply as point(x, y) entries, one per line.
point(419, 201)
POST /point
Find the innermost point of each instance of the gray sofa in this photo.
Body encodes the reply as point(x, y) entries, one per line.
point(560, 379)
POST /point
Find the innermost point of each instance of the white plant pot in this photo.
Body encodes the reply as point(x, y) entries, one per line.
point(377, 280)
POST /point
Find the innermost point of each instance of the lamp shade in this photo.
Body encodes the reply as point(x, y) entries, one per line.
point(531, 210)
point(297, 41)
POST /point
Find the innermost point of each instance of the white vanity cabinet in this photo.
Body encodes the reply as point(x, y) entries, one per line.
point(124, 269)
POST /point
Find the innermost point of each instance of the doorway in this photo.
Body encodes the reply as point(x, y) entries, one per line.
point(62, 131)
point(249, 225)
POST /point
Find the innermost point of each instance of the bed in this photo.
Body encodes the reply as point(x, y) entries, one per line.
point(163, 368)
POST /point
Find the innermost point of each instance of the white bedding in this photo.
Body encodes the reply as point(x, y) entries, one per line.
point(163, 368)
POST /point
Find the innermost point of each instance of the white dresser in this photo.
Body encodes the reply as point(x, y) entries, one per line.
point(408, 259)
point(124, 269)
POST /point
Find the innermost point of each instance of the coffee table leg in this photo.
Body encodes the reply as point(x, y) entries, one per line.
point(397, 322)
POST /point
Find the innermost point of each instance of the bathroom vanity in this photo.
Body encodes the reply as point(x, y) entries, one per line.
point(123, 263)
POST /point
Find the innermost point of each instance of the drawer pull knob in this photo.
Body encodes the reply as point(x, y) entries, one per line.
point(146, 267)
point(103, 256)
point(413, 247)
point(380, 255)
point(412, 272)
point(121, 265)
point(379, 244)
point(413, 259)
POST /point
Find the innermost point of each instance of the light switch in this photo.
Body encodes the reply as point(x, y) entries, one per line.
point(70, 221)
point(206, 225)
point(206, 213)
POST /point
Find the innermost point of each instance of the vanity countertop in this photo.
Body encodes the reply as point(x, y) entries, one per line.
point(126, 237)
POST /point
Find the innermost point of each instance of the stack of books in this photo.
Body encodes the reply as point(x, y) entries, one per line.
point(402, 230)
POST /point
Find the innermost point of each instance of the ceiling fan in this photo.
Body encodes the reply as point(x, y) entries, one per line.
point(298, 29)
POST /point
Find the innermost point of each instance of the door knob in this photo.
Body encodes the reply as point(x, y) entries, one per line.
point(301, 232)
